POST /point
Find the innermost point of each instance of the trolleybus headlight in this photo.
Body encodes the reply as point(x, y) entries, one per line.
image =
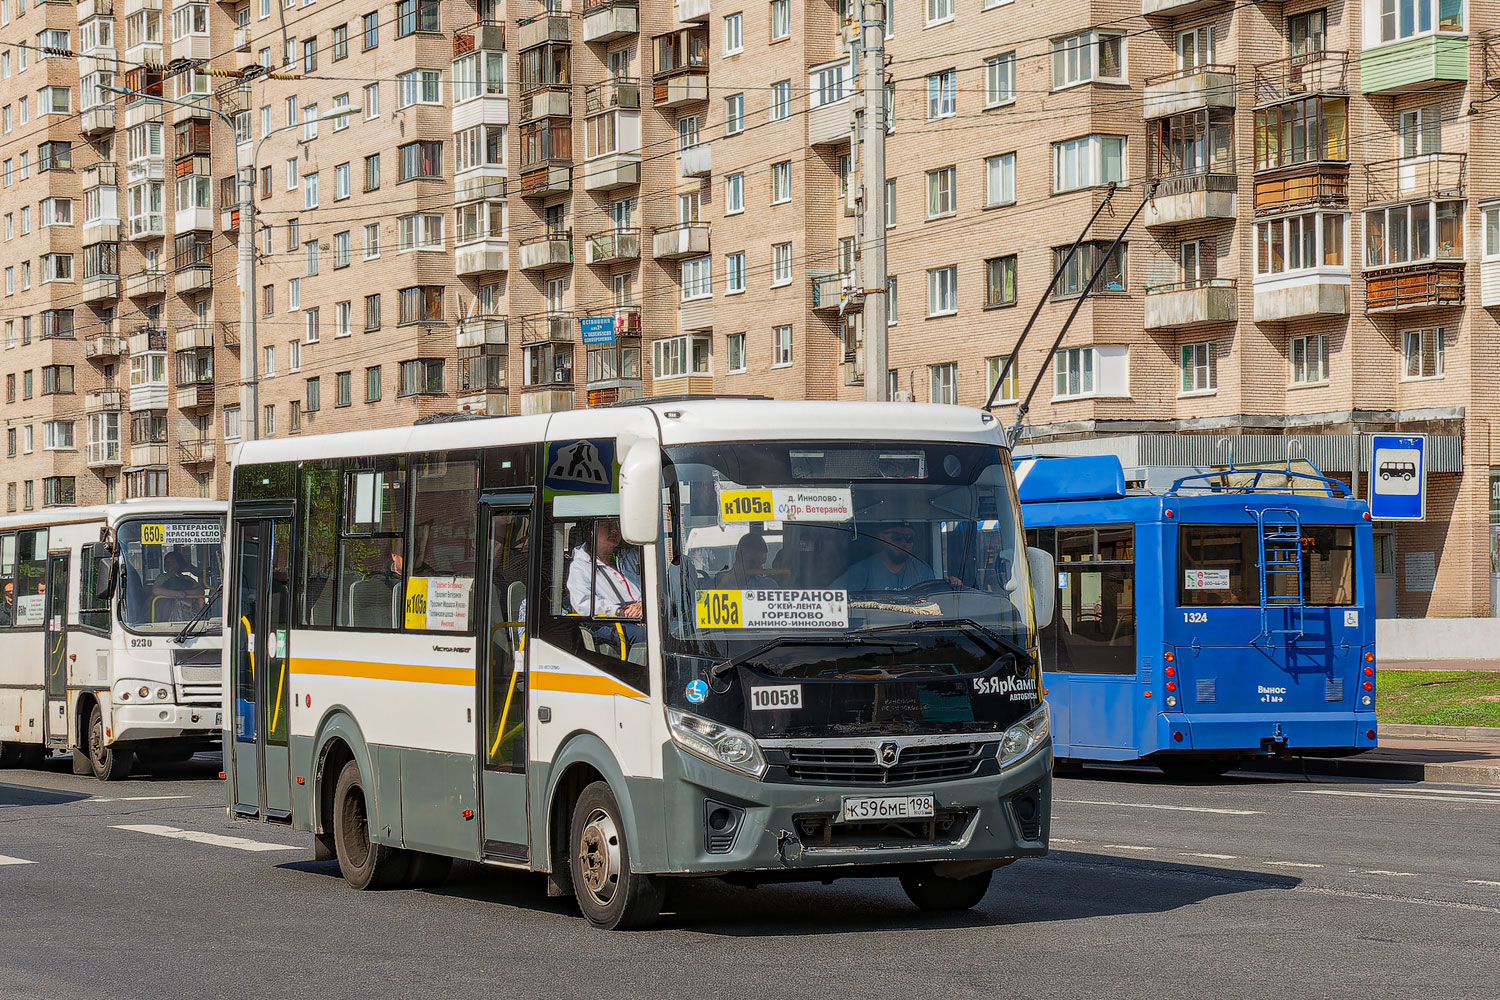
point(1364, 700)
point(1171, 701)
point(715, 742)
point(1026, 735)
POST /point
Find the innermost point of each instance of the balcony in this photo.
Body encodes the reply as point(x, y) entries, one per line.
point(101, 288)
point(487, 35)
point(148, 339)
point(101, 231)
point(195, 218)
point(695, 315)
point(103, 454)
point(1177, 8)
point(103, 347)
point(143, 455)
point(97, 120)
point(200, 451)
point(1414, 64)
point(99, 8)
point(1310, 185)
point(197, 108)
point(831, 123)
point(681, 87)
point(146, 283)
point(547, 102)
point(613, 246)
point(616, 170)
point(1489, 283)
point(542, 29)
point(102, 401)
point(242, 39)
point(480, 183)
point(193, 278)
point(547, 327)
point(692, 10)
point(484, 257)
point(195, 48)
point(1433, 285)
point(1297, 76)
point(547, 398)
point(148, 227)
point(834, 291)
point(698, 161)
point(549, 250)
point(1184, 305)
point(482, 331)
point(486, 109)
point(99, 175)
point(546, 157)
point(1301, 295)
point(198, 336)
point(607, 20)
point(623, 92)
point(1196, 197)
point(196, 396)
point(1414, 178)
point(485, 403)
point(684, 239)
point(1189, 90)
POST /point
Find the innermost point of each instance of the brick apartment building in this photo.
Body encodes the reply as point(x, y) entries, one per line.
point(1321, 258)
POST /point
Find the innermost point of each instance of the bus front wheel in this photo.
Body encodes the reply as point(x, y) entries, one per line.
point(609, 892)
point(934, 892)
point(109, 763)
point(363, 863)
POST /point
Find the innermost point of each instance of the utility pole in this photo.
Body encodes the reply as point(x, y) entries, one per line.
point(872, 204)
point(249, 377)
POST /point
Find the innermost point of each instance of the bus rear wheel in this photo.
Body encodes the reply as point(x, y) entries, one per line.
point(610, 893)
point(931, 891)
point(109, 763)
point(363, 863)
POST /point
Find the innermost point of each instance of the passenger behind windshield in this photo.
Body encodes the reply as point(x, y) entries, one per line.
point(892, 566)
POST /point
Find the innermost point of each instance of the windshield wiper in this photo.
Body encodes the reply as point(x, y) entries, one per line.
point(1008, 644)
point(187, 630)
point(720, 669)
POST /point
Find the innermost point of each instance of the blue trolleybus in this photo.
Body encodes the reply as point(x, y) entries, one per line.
point(1203, 618)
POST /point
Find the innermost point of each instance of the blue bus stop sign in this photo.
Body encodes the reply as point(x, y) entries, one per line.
point(596, 330)
point(1398, 477)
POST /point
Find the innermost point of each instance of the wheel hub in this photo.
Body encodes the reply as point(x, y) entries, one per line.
point(599, 855)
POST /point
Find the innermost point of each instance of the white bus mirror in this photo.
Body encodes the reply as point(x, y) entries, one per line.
point(640, 492)
point(1043, 587)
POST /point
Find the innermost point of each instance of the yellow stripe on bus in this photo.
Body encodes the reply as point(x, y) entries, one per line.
point(412, 672)
point(579, 684)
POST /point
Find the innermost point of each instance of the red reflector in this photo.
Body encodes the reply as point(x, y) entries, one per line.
point(309, 701)
point(221, 775)
point(1369, 657)
point(1177, 737)
point(1168, 512)
point(1171, 685)
point(1369, 671)
point(1169, 656)
point(1171, 671)
point(1366, 515)
point(1369, 686)
point(468, 814)
point(1148, 694)
point(1369, 734)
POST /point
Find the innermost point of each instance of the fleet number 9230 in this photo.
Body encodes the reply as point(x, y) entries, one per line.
point(1195, 617)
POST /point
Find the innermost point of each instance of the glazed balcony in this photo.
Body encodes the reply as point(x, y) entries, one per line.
point(1196, 197)
point(147, 455)
point(1189, 90)
point(1186, 305)
point(1309, 185)
point(698, 161)
point(550, 250)
point(608, 20)
point(1414, 64)
point(485, 403)
point(101, 288)
point(546, 157)
point(1413, 178)
point(1301, 295)
point(832, 123)
point(542, 29)
point(692, 10)
point(1430, 285)
point(485, 256)
point(613, 246)
point(682, 239)
point(103, 454)
point(1323, 72)
point(681, 75)
point(695, 315)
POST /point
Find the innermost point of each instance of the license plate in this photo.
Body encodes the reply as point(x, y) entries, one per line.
point(860, 808)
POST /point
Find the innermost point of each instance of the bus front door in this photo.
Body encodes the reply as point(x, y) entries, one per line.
point(262, 707)
point(502, 678)
point(56, 645)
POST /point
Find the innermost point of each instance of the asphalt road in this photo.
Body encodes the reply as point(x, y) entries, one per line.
point(1244, 887)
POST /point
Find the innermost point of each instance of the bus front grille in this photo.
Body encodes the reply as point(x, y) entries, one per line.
point(200, 694)
point(861, 765)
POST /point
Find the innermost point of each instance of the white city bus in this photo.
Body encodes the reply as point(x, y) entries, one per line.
point(800, 661)
point(110, 635)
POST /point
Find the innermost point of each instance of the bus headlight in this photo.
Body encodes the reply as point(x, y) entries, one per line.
point(715, 742)
point(1026, 735)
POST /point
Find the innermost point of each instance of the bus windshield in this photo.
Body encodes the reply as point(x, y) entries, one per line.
point(170, 569)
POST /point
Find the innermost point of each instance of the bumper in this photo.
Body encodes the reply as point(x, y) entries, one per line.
point(164, 719)
point(1253, 734)
point(771, 833)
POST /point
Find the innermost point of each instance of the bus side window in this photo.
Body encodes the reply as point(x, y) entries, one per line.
point(372, 546)
point(444, 535)
point(318, 540)
point(7, 580)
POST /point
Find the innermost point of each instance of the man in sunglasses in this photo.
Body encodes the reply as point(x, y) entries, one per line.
point(891, 566)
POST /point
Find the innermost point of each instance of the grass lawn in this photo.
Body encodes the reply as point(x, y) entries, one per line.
point(1438, 697)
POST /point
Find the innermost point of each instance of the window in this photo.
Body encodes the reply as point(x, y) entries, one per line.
point(314, 394)
point(1078, 270)
point(310, 56)
point(1092, 55)
point(340, 42)
point(341, 312)
point(942, 94)
point(1093, 631)
point(734, 349)
point(57, 435)
point(58, 323)
point(1000, 80)
point(675, 357)
point(57, 212)
point(311, 248)
point(372, 172)
point(939, 11)
point(422, 377)
point(1228, 555)
point(697, 278)
point(416, 15)
point(1000, 281)
point(1400, 19)
point(1422, 353)
point(734, 194)
point(942, 291)
point(942, 192)
point(58, 379)
point(1074, 368)
point(942, 381)
point(268, 300)
point(827, 84)
point(418, 86)
point(310, 191)
point(734, 35)
point(341, 249)
point(892, 298)
point(422, 304)
point(781, 100)
point(781, 346)
point(312, 318)
point(781, 182)
point(1305, 131)
point(1404, 234)
point(420, 160)
point(268, 369)
point(781, 264)
point(268, 420)
point(1000, 180)
point(370, 25)
point(372, 312)
point(293, 235)
point(734, 273)
point(1307, 32)
point(292, 176)
point(58, 491)
point(54, 101)
point(1309, 359)
point(372, 384)
point(294, 356)
point(1195, 47)
point(57, 267)
point(1300, 242)
point(1088, 161)
point(341, 181)
point(890, 203)
point(419, 232)
point(54, 156)
point(343, 387)
point(781, 19)
point(1198, 373)
point(1010, 389)
point(734, 114)
point(1419, 131)
point(372, 101)
point(294, 294)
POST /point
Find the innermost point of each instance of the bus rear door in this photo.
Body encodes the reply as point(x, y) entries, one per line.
point(261, 625)
point(501, 676)
point(55, 644)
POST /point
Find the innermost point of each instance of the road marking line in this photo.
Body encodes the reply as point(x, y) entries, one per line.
point(1216, 857)
point(1481, 881)
point(1294, 864)
point(1378, 871)
point(1412, 797)
point(139, 798)
point(1059, 840)
point(7, 860)
point(1127, 847)
point(199, 837)
point(1155, 805)
point(1444, 791)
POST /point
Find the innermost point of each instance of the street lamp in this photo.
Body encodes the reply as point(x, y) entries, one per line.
point(245, 184)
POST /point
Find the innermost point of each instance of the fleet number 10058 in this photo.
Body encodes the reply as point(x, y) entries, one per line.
point(1195, 617)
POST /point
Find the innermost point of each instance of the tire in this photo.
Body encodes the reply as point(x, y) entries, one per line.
point(109, 763)
point(363, 863)
point(933, 892)
point(427, 871)
point(609, 892)
point(1193, 768)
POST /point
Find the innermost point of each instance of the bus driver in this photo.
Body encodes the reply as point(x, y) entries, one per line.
point(892, 566)
point(603, 584)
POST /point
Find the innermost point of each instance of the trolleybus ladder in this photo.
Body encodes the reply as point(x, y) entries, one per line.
point(1280, 537)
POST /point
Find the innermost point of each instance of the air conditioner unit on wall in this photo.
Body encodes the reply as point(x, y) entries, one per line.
point(901, 396)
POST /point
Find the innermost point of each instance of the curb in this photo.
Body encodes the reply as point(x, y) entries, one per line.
point(1440, 732)
point(1386, 770)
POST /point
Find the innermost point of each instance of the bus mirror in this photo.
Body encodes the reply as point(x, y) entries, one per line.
point(1043, 591)
point(104, 577)
point(640, 492)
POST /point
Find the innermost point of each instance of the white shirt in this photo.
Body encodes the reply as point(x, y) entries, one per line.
point(602, 591)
